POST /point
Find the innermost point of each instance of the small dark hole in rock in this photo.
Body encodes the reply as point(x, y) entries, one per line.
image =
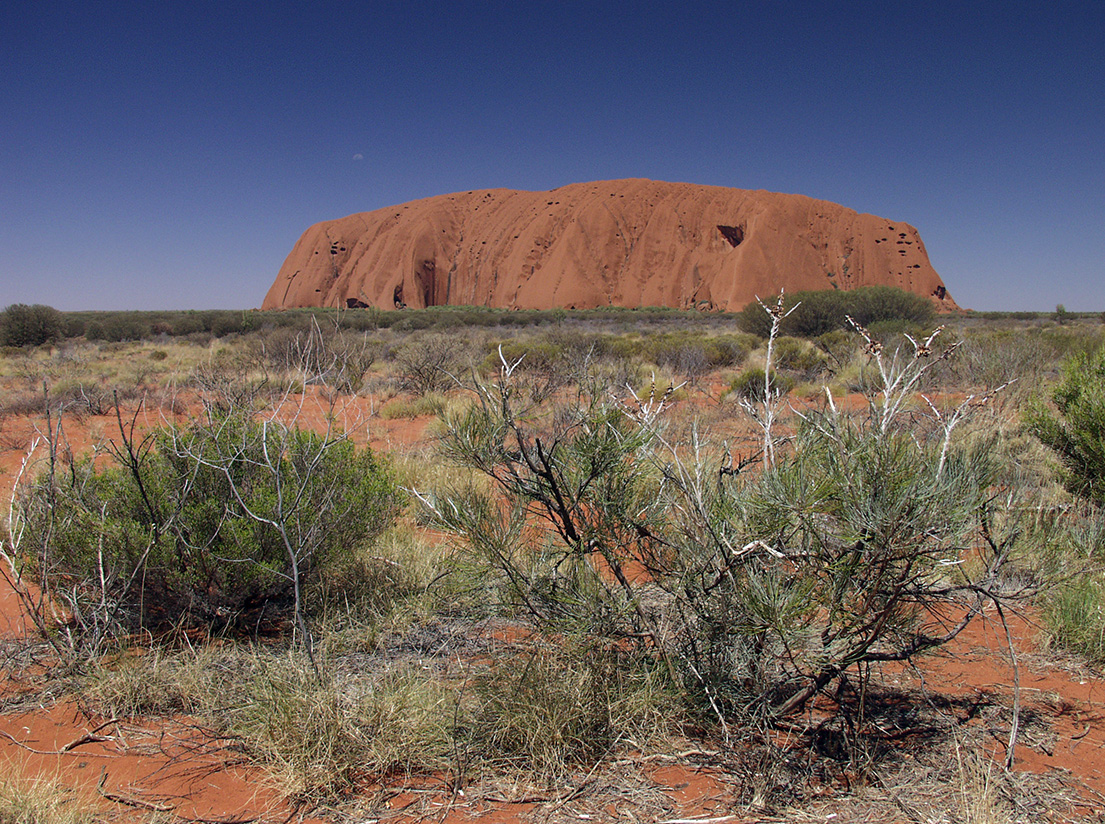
point(733, 234)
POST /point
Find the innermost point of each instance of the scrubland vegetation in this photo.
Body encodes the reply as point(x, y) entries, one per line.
point(621, 530)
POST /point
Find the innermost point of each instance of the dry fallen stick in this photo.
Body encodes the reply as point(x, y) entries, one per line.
point(90, 737)
point(128, 800)
point(64, 749)
point(670, 756)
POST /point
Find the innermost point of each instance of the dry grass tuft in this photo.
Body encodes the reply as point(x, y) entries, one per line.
point(39, 800)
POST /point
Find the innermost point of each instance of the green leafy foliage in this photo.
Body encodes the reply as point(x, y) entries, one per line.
point(820, 312)
point(212, 524)
point(1075, 430)
point(23, 325)
point(838, 554)
point(749, 384)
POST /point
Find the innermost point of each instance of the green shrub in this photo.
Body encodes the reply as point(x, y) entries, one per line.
point(796, 355)
point(122, 327)
point(1076, 429)
point(823, 311)
point(216, 524)
point(23, 325)
point(838, 346)
point(892, 331)
point(756, 590)
point(94, 331)
point(749, 384)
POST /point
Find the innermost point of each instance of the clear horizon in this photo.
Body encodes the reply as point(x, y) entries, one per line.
point(169, 156)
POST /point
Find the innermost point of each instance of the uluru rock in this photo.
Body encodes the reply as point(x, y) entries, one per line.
point(612, 243)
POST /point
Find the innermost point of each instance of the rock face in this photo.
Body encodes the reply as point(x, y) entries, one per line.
point(623, 243)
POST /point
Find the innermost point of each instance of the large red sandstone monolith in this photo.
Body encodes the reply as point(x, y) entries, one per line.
point(611, 243)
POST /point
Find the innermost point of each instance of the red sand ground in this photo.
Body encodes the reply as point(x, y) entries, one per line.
point(174, 767)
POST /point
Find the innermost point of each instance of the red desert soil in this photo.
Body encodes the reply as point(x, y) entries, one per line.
point(609, 243)
point(173, 767)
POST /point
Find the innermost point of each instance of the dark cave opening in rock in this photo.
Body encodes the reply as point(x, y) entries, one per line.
point(733, 234)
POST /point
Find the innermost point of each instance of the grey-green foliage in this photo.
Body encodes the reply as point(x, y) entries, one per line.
point(1075, 430)
point(572, 495)
point(214, 524)
point(823, 311)
point(843, 553)
point(749, 384)
point(762, 588)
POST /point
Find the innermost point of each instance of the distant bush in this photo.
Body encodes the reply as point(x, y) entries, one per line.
point(429, 364)
point(824, 311)
point(693, 354)
point(749, 384)
point(797, 355)
point(23, 325)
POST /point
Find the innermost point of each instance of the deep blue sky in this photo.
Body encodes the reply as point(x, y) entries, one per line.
point(168, 155)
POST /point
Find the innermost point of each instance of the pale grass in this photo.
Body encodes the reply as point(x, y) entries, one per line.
point(318, 737)
point(159, 682)
point(40, 799)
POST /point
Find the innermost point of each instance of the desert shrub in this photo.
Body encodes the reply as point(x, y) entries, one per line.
point(120, 327)
point(1075, 430)
point(892, 331)
point(823, 311)
point(694, 355)
point(188, 324)
point(428, 364)
point(220, 523)
point(838, 345)
point(817, 312)
point(796, 355)
point(338, 358)
point(755, 590)
point(870, 304)
point(547, 362)
point(749, 384)
point(427, 404)
point(846, 537)
point(74, 326)
point(94, 330)
point(992, 359)
point(228, 323)
point(23, 325)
